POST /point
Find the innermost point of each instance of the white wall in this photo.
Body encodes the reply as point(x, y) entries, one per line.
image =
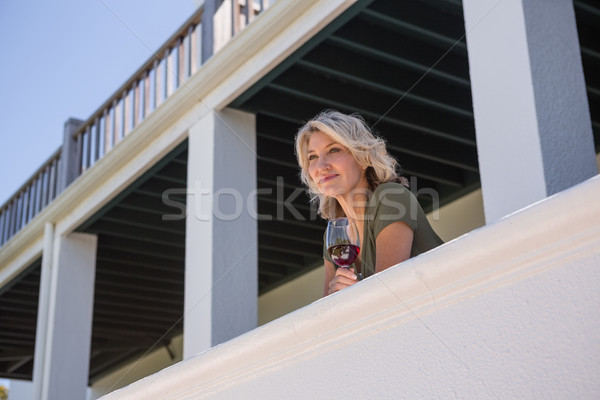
point(510, 310)
point(454, 220)
point(533, 339)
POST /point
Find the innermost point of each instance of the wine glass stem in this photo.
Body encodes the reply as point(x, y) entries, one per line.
point(359, 276)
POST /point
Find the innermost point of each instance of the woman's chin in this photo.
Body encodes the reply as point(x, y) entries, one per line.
point(332, 192)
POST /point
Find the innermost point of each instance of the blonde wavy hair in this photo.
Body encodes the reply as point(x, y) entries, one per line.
point(352, 132)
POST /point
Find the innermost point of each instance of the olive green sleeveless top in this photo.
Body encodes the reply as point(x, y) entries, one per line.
point(389, 203)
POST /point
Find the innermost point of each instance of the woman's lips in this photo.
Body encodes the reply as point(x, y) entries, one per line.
point(327, 178)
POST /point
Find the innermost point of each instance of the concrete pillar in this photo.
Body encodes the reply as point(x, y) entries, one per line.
point(534, 133)
point(42, 315)
point(64, 333)
point(221, 272)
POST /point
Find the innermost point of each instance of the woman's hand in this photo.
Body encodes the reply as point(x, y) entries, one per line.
point(343, 278)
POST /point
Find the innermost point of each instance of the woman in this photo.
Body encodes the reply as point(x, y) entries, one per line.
point(349, 172)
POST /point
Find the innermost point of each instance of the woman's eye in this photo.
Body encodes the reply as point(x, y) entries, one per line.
point(334, 150)
point(312, 157)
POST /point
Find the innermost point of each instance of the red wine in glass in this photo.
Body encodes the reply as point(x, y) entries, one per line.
point(342, 241)
point(344, 255)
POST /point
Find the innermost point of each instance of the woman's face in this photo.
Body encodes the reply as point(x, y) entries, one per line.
point(333, 168)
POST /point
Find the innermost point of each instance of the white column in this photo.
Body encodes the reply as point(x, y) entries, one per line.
point(42, 315)
point(534, 134)
point(65, 344)
point(221, 272)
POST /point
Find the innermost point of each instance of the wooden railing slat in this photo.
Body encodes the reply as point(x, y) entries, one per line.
point(43, 190)
point(187, 54)
point(106, 118)
point(52, 190)
point(79, 152)
point(18, 210)
point(2, 218)
point(15, 227)
point(157, 84)
point(180, 63)
point(146, 107)
point(7, 224)
point(38, 196)
point(9, 221)
point(31, 205)
point(13, 217)
point(24, 208)
point(249, 11)
point(168, 74)
point(88, 147)
point(126, 113)
point(136, 103)
point(23, 211)
point(115, 122)
point(97, 139)
point(195, 52)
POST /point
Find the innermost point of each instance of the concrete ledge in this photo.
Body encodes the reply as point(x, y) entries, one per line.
point(340, 334)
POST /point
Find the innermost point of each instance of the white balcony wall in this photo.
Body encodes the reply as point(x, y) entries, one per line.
point(452, 220)
point(510, 310)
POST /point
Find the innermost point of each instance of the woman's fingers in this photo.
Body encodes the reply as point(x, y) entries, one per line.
point(346, 272)
point(344, 277)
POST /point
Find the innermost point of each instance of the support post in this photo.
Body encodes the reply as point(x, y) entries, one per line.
point(66, 343)
point(221, 271)
point(534, 134)
point(70, 156)
point(42, 315)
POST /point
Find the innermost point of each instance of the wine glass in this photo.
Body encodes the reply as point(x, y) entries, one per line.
point(343, 243)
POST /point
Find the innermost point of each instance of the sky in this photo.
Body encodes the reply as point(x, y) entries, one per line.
point(63, 59)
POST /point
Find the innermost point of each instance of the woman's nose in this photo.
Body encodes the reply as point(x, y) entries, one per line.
point(323, 163)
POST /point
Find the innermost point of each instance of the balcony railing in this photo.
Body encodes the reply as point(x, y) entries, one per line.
point(152, 84)
point(31, 198)
point(497, 313)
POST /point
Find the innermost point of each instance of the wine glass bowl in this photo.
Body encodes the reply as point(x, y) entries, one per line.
point(343, 243)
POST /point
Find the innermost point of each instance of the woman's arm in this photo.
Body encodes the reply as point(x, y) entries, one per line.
point(393, 245)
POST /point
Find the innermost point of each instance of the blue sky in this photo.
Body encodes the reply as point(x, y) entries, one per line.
point(64, 58)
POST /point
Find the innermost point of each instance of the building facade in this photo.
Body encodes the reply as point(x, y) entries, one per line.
point(172, 220)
